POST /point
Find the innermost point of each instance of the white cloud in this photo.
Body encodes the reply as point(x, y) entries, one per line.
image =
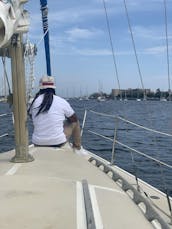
point(93, 52)
point(78, 33)
point(72, 15)
point(156, 50)
point(156, 33)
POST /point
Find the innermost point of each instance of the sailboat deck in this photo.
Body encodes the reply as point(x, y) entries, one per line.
point(47, 193)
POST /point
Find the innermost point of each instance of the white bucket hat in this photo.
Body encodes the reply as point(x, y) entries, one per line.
point(47, 82)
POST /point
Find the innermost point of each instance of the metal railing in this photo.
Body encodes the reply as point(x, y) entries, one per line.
point(130, 149)
point(115, 141)
point(4, 115)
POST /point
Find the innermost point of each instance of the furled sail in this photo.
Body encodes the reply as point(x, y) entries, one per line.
point(44, 10)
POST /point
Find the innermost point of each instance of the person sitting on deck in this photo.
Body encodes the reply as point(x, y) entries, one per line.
point(54, 120)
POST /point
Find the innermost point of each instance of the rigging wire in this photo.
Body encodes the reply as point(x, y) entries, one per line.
point(9, 96)
point(114, 60)
point(167, 48)
point(169, 90)
point(139, 70)
point(5, 73)
point(134, 48)
point(112, 47)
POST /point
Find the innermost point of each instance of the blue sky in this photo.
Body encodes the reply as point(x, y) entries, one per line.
point(81, 54)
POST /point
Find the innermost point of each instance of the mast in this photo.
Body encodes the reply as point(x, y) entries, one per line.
point(19, 101)
point(13, 23)
point(44, 10)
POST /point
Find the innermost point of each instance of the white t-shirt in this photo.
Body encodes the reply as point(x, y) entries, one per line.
point(48, 126)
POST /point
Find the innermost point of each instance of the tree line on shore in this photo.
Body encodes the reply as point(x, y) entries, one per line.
point(133, 94)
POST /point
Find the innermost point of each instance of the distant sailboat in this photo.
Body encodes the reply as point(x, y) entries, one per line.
point(138, 100)
point(163, 99)
point(138, 96)
point(125, 99)
point(101, 98)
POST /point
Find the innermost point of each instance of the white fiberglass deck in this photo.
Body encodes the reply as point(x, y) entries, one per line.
point(47, 193)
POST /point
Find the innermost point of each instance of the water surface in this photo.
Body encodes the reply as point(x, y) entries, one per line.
point(152, 114)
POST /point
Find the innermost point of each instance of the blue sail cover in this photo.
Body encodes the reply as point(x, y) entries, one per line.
point(44, 10)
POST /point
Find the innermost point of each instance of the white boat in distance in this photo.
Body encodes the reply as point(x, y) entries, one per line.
point(138, 100)
point(59, 189)
point(163, 99)
point(101, 98)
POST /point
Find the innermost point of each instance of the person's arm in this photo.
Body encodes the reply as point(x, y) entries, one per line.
point(72, 118)
point(76, 133)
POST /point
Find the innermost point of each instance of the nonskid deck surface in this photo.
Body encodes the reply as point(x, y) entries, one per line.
point(157, 199)
point(48, 193)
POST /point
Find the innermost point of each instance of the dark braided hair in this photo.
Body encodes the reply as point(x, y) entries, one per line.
point(47, 100)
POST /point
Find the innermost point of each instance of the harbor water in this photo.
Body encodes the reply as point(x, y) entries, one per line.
point(155, 115)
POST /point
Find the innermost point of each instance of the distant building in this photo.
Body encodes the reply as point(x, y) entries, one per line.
point(115, 92)
point(130, 93)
